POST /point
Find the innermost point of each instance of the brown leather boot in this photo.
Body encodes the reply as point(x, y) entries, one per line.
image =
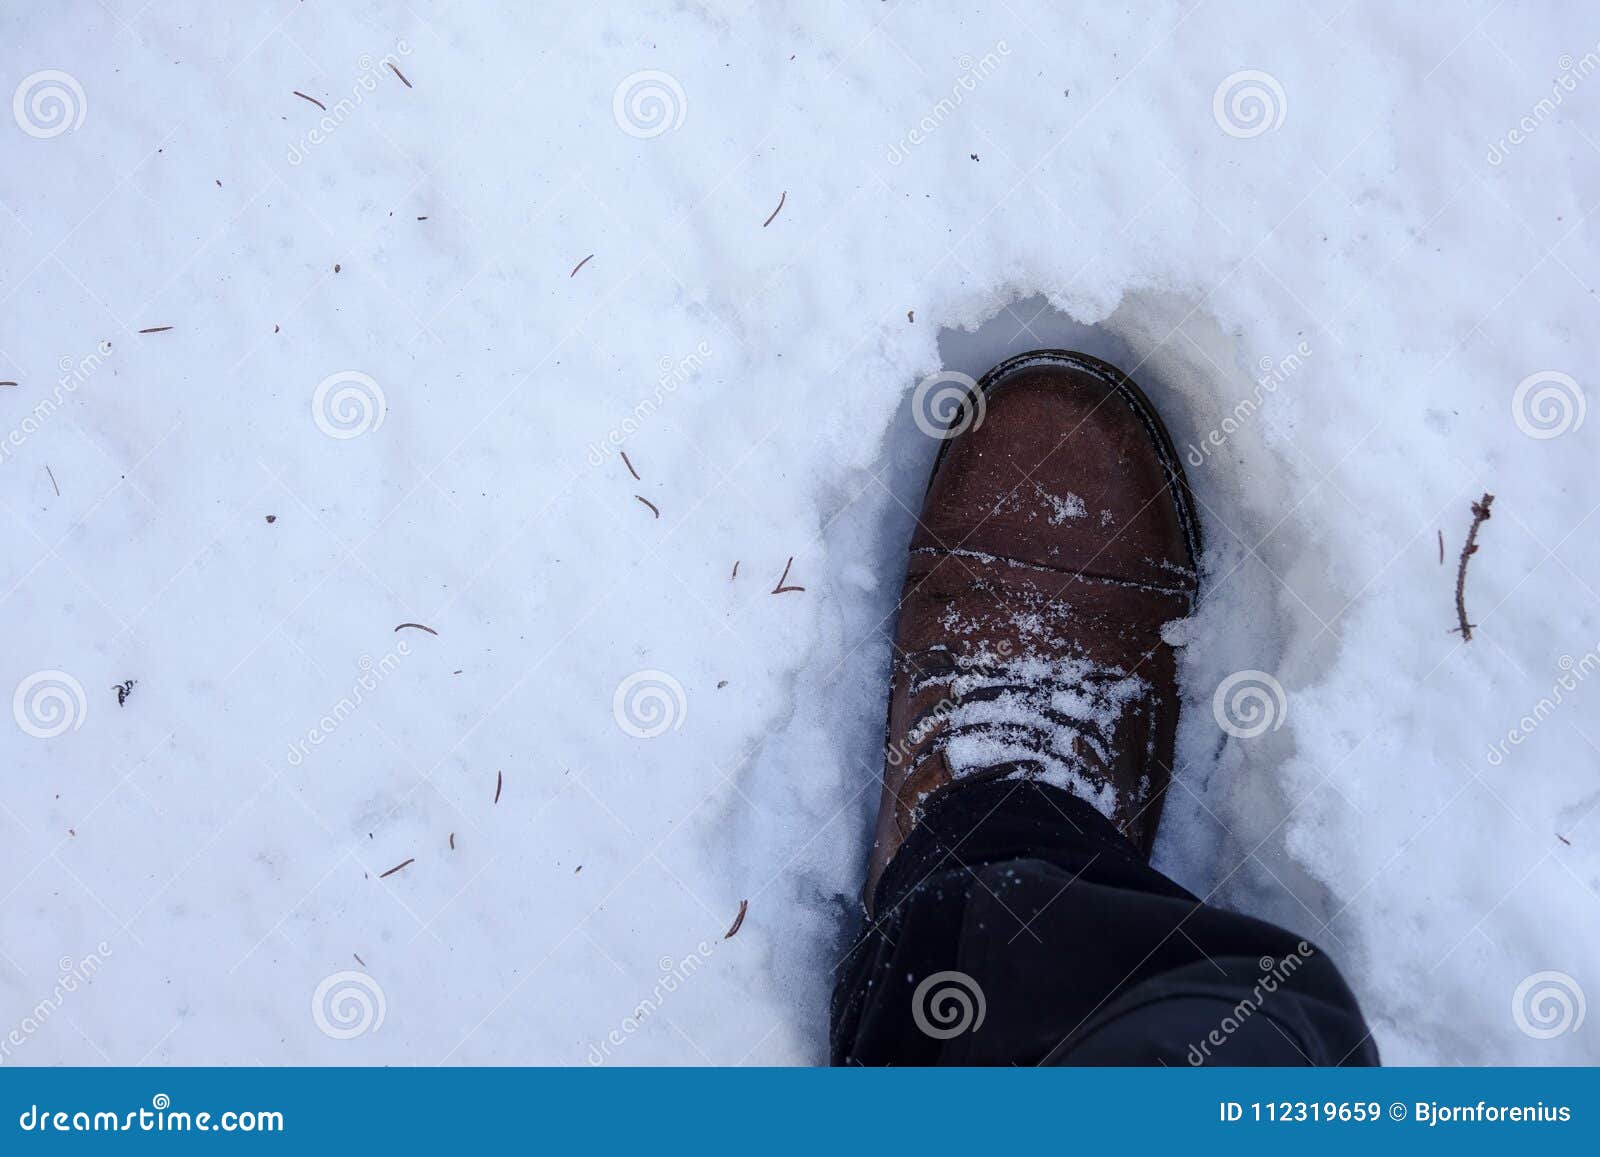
point(1057, 537)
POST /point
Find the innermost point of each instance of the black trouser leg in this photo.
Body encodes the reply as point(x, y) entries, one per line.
point(1016, 925)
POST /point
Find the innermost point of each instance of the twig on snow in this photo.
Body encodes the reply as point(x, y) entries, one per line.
point(782, 197)
point(780, 588)
point(398, 866)
point(1480, 515)
point(738, 921)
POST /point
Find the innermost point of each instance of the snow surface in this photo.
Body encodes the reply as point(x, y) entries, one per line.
point(1332, 278)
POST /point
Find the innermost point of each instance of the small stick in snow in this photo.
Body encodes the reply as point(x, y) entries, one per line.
point(1563, 839)
point(735, 573)
point(7, 383)
point(398, 866)
point(781, 198)
point(359, 961)
point(53, 481)
point(398, 73)
point(629, 465)
point(312, 99)
point(580, 265)
point(1441, 548)
point(653, 509)
point(744, 906)
point(1480, 515)
point(452, 841)
point(499, 782)
point(156, 329)
point(418, 626)
point(780, 588)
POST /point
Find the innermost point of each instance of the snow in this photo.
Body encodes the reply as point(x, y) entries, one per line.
point(793, 219)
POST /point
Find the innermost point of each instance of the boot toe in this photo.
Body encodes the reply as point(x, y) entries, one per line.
point(1064, 466)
